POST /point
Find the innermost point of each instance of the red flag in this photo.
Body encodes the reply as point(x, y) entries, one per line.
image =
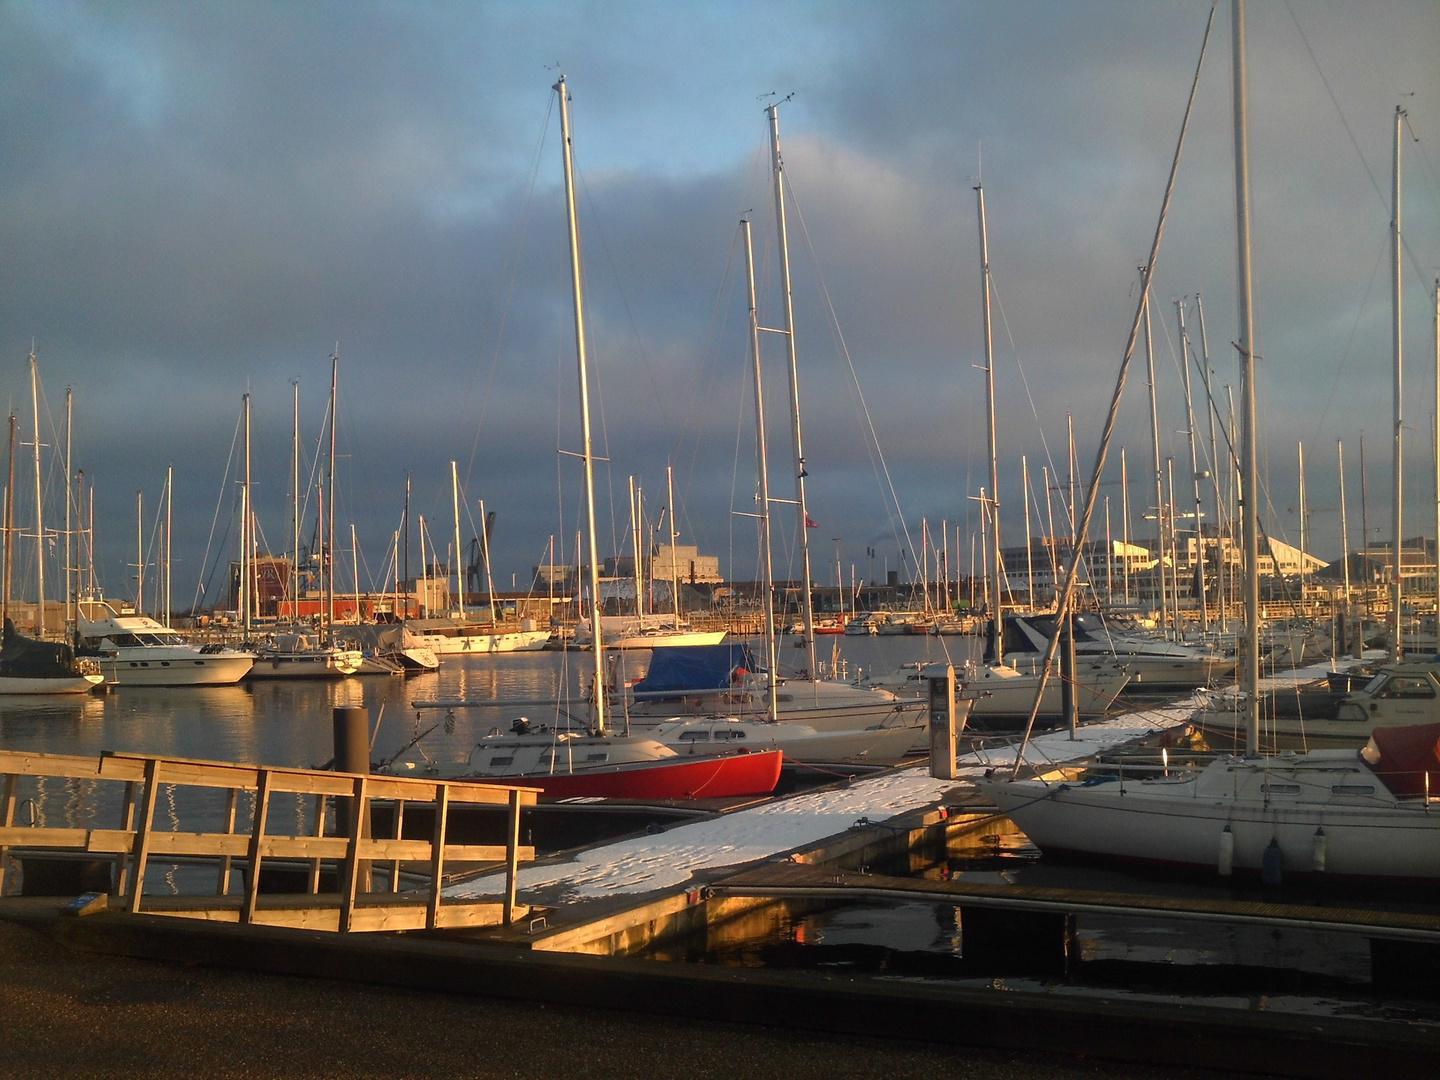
point(810, 522)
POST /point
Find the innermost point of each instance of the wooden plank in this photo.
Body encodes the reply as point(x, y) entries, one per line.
point(399, 834)
point(483, 853)
point(68, 766)
point(127, 824)
point(257, 834)
point(142, 835)
point(222, 883)
point(199, 844)
point(319, 830)
point(305, 847)
point(386, 850)
point(437, 857)
point(512, 858)
point(7, 820)
point(359, 811)
point(67, 839)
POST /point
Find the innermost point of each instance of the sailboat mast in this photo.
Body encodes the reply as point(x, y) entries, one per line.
point(762, 480)
point(1194, 468)
point(10, 517)
point(1155, 465)
point(39, 517)
point(1249, 484)
point(294, 589)
point(69, 564)
point(674, 563)
point(246, 527)
point(1437, 455)
point(1214, 460)
point(796, 444)
point(140, 554)
point(635, 542)
point(1344, 542)
point(1397, 507)
point(1301, 452)
point(459, 570)
point(485, 551)
point(329, 563)
point(1125, 523)
point(995, 565)
point(1029, 556)
point(595, 631)
point(169, 517)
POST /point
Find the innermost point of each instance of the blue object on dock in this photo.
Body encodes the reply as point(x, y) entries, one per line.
point(86, 904)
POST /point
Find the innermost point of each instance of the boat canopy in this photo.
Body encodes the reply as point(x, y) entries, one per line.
point(1404, 757)
point(678, 668)
point(23, 657)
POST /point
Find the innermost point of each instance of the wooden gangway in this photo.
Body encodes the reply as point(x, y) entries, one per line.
point(135, 841)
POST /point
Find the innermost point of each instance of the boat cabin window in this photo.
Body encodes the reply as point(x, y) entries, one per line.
point(695, 736)
point(1280, 789)
point(590, 759)
point(1352, 789)
point(497, 761)
point(722, 736)
point(1376, 683)
point(1407, 686)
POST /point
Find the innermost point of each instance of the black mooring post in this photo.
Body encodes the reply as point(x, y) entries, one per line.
point(352, 755)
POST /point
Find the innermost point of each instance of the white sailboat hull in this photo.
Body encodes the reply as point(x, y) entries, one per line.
point(65, 684)
point(483, 643)
point(1365, 831)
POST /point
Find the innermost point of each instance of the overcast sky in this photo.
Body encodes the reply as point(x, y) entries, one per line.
point(200, 200)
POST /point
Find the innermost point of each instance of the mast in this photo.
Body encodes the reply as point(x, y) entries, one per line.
point(329, 562)
point(1249, 485)
point(246, 528)
point(1125, 522)
point(1437, 456)
point(9, 517)
point(169, 517)
point(1214, 462)
point(595, 631)
point(997, 570)
point(1029, 556)
point(39, 518)
point(69, 566)
point(424, 573)
point(1302, 524)
point(1070, 438)
point(1344, 542)
point(405, 527)
point(140, 555)
point(459, 571)
point(1194, 468)
point(802, 517)
point(294, 583)
point(1397, 507)
point(1155, 462)
point(485, 551)
point(355, 569)
point(635, 542)
point(762, 480)
point(674, 563)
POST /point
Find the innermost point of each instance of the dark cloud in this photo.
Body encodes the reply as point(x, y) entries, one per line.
point(201, 200)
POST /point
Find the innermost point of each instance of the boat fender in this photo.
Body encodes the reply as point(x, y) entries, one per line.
point(1318, 850)
point(1227, 852)
point(1272, 863)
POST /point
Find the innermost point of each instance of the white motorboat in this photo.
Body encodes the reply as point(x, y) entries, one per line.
point(29, 666)
point(1342, 813)
point(134, 650)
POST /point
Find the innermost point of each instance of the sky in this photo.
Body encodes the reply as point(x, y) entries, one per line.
point(204, 200)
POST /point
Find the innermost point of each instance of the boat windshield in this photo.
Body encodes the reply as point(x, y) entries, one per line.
point(145, 640)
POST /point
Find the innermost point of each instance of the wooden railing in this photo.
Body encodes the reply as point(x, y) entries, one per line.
point(136, 842)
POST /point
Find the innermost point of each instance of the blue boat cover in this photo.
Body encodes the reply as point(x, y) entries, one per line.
point(678, 668)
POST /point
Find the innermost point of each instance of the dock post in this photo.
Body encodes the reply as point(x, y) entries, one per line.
point(512, 857)
point(1067, 674)
point(7, 819)
point(941, 681)
point(352, 755)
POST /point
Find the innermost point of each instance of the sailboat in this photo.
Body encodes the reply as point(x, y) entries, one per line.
point(1362, 814)
point(296, 653)
point(1003, 692)
point(28, 666)
point(599, 764)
